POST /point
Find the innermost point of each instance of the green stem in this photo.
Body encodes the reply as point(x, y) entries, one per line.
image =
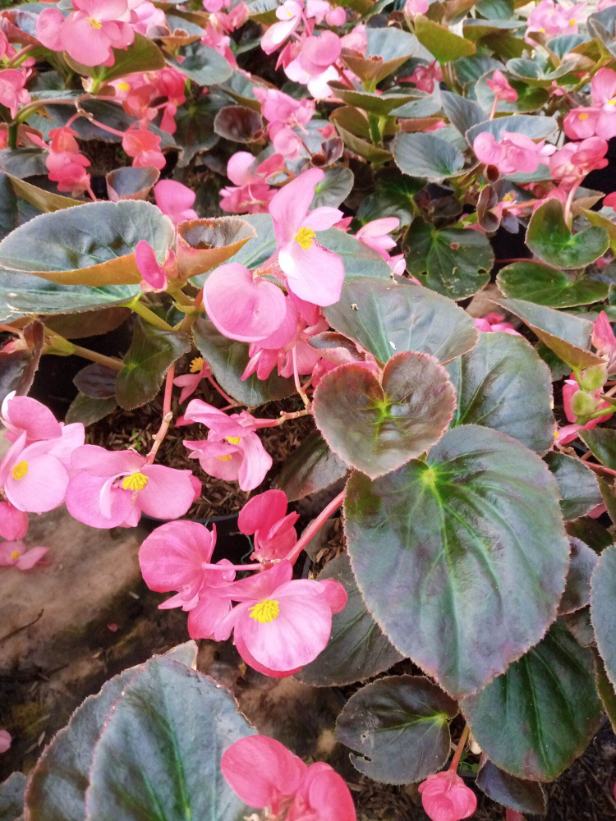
point(148, 315)
point(13, 134)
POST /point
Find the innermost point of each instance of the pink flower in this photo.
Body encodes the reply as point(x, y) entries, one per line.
point(6, 739)
point(425, 77)
point(175, 200)
point(13, 522)
point(113, 488)
point(13, 93)
point(581, 123)
point(65, 164)
point(265, 518)
point(144, 148)
point(22, 414)
point(494, 323)
point(154, 275)
point(284, 114)
point(375, 235)
point(445, 797)
point(567, 433)
point(313, 65)
point(600, 118)
point(282, 624)
point(15, 554)
point(189, 382)
point(551, 18)
point(242, 305)
point(512, 154)
point(251, 192)
point(289, 15)
point(604, 341)
point(172, 558)
point(571, 163)
point(413, 7)
point(313, 273)
point(266, 775)
point(148, 20)
point(232, 450)
point(501, 87)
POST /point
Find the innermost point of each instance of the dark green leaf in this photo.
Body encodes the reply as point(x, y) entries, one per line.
point(392, 197)
point(399, 727)
point(239, 124)
point(602, 444)
point(142, 55)
point(201, 64)
point(310, 468)
point(427, 156)
point(578, 485)
point(388, 48)
point(387, 317)
point(381, 104)
point(441, 42)
point(456, 262)
point(603, 611)
point(378, 425)
point(549, 237)
point(334, 188)
point(535, 127)
point(357, 649)
point(228, 359)
point(147, 360)
point(522, 796)
point(581, 566)
point(461, 112)
point(88, 410)
point(128, 183)
point(547, 286)
point(469, 543)
point(539, 717)
point(602, 25)
point(606, 691)
point(503, 384)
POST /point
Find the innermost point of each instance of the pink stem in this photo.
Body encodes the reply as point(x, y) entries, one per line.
point(314, 527)
point(224, 395)
point(210, 566)
point(455, 761)
point(167, 416)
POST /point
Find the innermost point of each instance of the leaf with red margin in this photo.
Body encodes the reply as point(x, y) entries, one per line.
point(603, 609)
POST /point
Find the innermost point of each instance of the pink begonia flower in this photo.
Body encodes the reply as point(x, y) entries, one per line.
point(6, 739)
point(144, 148)
point(66, 166)
point(445, 797)
point(356, 39)
point(553, 18)
point(313, 65)
point(289, 16)
point(22, 414)
point(189, 382)
point(599, 119)
point(494, 323)
point(154, 276)
point(425, 77)
point(16, 554)
point(610, 200)
point(413, 7)
point(567, 433)
point(147, 19)
point(571, 163)
point(232, 450)
point(265, 518)
point(511, 154)
point(312, 272)
point(242, 305)
point(375, 235)
point(88, 34)
point(501, 87)
point(13, 522)
point(266, 775)
point(604, 340)
point(13, 93)
point(175, 200)
point(251, 193)
point(113, 488)
point(281, 624)
point(284, 114)
point(172, 559)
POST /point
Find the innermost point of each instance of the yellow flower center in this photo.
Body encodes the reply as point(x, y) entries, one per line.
point(233, 440)
point(19, 470)
point(225, 457)
point(123, 86)
point(265, 611)
point(94, 23)
point(197, 364)
point(583, 116)
point(612, 102)
point(573, 22)
point(305, 238)
point(14, 555)
point(135, 481)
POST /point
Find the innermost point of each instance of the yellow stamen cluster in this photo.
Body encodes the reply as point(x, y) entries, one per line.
point(135, 481)
point(197, 364)
point(20, 470)
point(94, 23)
point(233, 440)
point(265, 611)
point(305, 238)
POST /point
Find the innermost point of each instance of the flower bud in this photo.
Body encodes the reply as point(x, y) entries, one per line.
point(583, 405)
point(593, 378)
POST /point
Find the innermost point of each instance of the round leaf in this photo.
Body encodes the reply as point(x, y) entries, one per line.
point(522, 796)
point(503, 384)
point(603, 611)
point(534, 721)
point(399, 727)
point(549, 237)
point(468, 544)
point(377, 426)
point(427, 156)
point(547, 286)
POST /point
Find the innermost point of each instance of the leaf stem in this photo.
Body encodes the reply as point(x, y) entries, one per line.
point(455, 761)
point(148, 315)
point(314, 526)
point(167, 416)
point(111, 362)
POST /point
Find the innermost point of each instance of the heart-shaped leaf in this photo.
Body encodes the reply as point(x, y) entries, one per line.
point(522, 796)
point(461, 112)
point(602, 443)
point(440, 41)
point(382, 103)
point(90, 244)
point(427, 156)
point(378, 425)
point(547, 286)
point(201, 64)
point(387, 49)
point(399, 726)
point(456, 262)
point(579, 489)
point(130, 183)
point(581, 566)
point(352, 125)
point(310, 468)
point(602, 611)
point(470, 542)
point(550, 238)
point(88, 411)
point(334, 188)
point(239, 124)
point(387, 317)
point(202, 244)
point(504, 384)
point(357, 649)
point(535, 720)
point(151, 353)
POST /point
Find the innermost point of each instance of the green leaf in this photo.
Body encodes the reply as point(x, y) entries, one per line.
point(549, 237)
point(387, 317)
point(378, 425)
point(566, 335)
point(579, 489)
point(228, 359)
point(310, 468)
point(522, 796)
point(468, 543)
point(159, 754)
point(239, 124)
point(12, 797)
point(142, 55)
point(399, 727)
point(602, 26)
point(539, 717)
point(353, 128)
point(535, 127)
point(334, 188)
point(203, 244)
point(602, 444)
point(427, 156)
point(357, 649)
point(147, 360)
point(440, 41)
point(504, 384)
point(90, 244)
point(603, 611)
point(392, 196)
point(88, 410)
point(606, 692)
point(381, 104)
point(455, 262)
point(547, 286)
point(388, 49)
point(201, 64)
point(581, 565)
point(461, 112)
